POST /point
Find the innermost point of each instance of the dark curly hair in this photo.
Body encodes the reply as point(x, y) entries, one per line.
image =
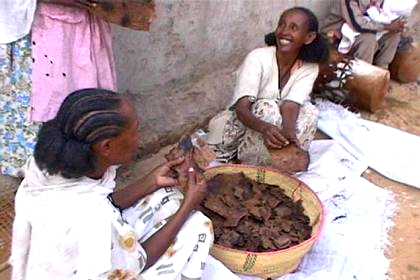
point(315, 52)
point(85, 117)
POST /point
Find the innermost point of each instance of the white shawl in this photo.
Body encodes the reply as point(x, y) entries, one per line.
point(65, 228)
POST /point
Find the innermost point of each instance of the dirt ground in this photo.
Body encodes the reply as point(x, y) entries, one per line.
point(401, 109)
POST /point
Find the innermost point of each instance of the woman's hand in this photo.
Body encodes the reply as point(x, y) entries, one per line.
point(155, 180)
point(159, 242)
point(273, 137)
point(290, 135)
point(161, 176)
point(197, 190)
point(395, 26)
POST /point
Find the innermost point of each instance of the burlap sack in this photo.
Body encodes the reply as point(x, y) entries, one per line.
point(405, 67)
point(367, 85)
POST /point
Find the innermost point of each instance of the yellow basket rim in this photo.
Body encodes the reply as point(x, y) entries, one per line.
point(313, 238)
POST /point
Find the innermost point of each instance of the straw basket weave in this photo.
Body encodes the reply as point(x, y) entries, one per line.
point(278, 263)
point(7, 195)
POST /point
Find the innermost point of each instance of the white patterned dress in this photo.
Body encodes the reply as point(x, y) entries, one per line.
point(68, 229)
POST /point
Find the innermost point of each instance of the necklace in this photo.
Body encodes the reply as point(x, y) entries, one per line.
point(284, 79)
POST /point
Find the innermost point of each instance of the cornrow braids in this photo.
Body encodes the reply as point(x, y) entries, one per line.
point(85, 117)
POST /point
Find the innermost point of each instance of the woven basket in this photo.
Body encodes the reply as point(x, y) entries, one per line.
point(278, 263)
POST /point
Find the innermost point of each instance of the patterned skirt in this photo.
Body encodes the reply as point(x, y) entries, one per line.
point(232, 140)
point(17, 133)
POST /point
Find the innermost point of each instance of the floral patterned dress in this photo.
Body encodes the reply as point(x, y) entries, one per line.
point(17, 133)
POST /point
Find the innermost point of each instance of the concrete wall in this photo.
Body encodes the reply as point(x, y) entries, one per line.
point(414, 23)
point(180, 73)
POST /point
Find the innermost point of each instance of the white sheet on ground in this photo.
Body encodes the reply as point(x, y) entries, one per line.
point(392, 152)
point(357, 219)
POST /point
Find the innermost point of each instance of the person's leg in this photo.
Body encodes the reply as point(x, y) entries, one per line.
point(225, 134)
point(252, 149)
point(365, 47)
point(306, 125)
point(186, 257)
point(295, 158)
point(151, 213)
point(388, 45)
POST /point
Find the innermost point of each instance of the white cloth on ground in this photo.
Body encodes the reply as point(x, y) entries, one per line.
point(392, 152)
point(358, 218)
point(16, 18)
point(334, 174)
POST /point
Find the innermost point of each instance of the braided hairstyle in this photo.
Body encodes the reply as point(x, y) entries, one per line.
point(85, 117)
point(315, 52)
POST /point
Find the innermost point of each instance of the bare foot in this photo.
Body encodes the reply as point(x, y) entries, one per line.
point(290, 159)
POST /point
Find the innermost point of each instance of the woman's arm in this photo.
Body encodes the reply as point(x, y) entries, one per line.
point(298, 94)
point(156, 179)
point(271, 133)
point(289, 112)
point(156, 245)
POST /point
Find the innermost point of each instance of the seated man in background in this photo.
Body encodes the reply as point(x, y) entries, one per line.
point(353, 22)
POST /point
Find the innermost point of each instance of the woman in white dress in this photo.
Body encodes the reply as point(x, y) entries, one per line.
point(271, 103)
point(70, 223)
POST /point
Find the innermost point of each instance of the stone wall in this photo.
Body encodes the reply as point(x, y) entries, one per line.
point(180, 74)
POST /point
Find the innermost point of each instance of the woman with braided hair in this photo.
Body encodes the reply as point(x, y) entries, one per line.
point(70, 223)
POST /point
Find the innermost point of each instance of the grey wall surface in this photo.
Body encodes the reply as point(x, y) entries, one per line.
point(180, 73)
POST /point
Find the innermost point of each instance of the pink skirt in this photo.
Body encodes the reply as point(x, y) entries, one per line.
point(71, 50)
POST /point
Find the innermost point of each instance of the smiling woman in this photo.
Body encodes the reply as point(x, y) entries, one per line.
point(270, 107)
